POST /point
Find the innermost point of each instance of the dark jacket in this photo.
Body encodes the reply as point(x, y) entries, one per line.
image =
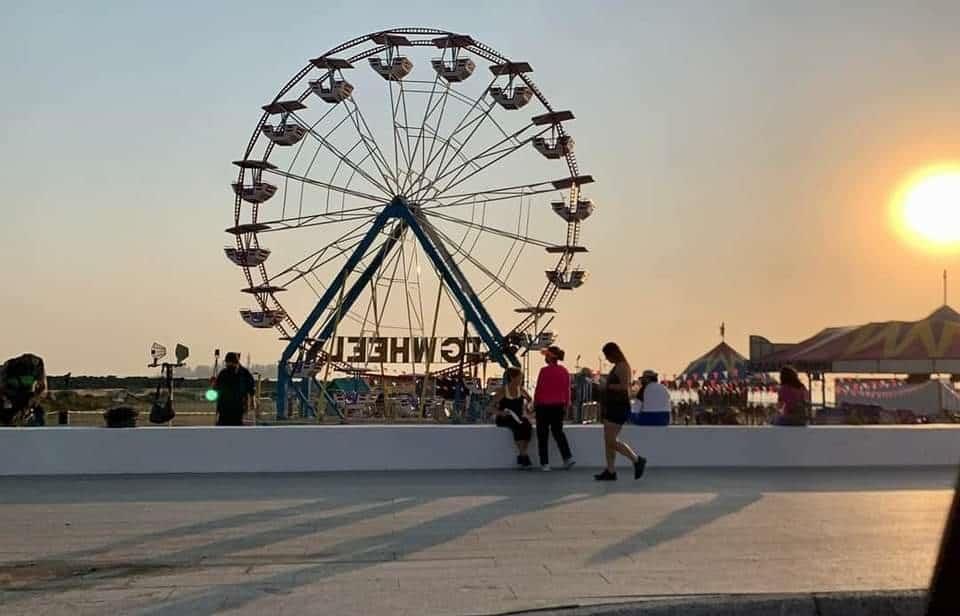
point(233, 389)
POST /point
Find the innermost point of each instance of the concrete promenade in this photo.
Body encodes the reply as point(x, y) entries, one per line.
point(457, 542)
point(290, 449)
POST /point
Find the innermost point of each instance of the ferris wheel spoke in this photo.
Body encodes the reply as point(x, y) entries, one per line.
point(341, 189)
point(285, 279)
point(427, 112)
point(486, 159)
point(494, 278)
point(408, 264)
point(478, 235)
point(454, 143)
point(342, 156)
point(319, 263)
point(468, 231)
point(425, 155)
point(396, 137)
point(441, 152)
point(406, 132)
point(476, 124)
point(370, 142)
point(393, 260)
point(517, 249)
point(356, 232)
point(415, 316)
point(323, 287)
point(486, 229)
point(419, 286)
point(495, 148)
point(489, 196)
point(367, 213)
point(406, 294)
point(333, 176)
point(313, 159)
point(288, 226)
point(364, 263)
point(447, 143)
point(423, 186)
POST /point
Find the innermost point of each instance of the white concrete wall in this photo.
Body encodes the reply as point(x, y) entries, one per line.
point(67, 451)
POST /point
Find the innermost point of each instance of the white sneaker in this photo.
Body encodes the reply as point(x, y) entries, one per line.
point(545, 468)
point(568, 464)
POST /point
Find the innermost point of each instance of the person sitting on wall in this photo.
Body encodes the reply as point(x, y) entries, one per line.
point(654, 407)
point(793, 400)
point(511, 404)
point(235, 389)
point(23, 383)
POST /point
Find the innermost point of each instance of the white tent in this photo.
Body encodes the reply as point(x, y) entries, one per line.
point(925, 398)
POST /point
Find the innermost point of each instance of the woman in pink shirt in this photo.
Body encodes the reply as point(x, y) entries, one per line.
point(550, 401)
point(792, 399)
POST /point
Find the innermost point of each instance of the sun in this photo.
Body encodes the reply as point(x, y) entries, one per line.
point(927, 208)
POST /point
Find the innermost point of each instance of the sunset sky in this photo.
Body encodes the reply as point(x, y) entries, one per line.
point(746, 156)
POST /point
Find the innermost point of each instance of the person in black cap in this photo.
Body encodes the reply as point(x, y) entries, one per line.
point(235, 389)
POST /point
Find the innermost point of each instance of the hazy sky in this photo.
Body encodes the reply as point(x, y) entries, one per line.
point(745, 154)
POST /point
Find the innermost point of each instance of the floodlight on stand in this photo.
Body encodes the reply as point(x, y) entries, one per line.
point(182, 353)
point(157, 352)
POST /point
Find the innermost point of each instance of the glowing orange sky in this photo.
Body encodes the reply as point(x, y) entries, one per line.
point(746, 157)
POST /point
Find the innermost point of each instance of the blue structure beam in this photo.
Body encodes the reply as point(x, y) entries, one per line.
point(284, 377)
point(493, 342)
point(451, 276)
point(468, 290)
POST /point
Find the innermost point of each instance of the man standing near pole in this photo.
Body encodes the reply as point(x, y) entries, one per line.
point(235, 388)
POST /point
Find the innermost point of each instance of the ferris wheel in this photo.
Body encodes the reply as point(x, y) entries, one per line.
point(393, 193)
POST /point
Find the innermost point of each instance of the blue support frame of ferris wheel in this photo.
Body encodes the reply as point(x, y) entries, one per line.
point(398, 209)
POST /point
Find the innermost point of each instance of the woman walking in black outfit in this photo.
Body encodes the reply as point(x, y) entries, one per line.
point(616, 398)
point(511, 402)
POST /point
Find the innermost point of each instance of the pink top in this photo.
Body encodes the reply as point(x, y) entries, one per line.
point(791, 398)
point(553, 386)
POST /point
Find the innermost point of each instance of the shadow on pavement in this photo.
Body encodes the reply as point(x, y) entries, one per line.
point(365, 496)
point(679, 523)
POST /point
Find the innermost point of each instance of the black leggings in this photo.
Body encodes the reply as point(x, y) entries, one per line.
point(550, 420)
point(521, 431)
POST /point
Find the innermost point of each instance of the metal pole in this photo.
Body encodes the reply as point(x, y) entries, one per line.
point(431, 342)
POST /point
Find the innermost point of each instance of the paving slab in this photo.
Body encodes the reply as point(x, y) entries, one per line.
point(458, 542)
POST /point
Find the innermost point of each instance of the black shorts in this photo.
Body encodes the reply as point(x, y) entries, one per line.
point(618, 414)
point(522, 431)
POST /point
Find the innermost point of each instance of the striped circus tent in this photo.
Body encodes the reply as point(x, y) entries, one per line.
point(722, 360)
point(930, 345)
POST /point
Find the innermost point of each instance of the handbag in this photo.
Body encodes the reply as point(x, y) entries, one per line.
point(161, 413)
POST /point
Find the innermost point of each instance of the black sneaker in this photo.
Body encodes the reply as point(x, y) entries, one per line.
point(638, 467)
point(606, 476)
point(525, 463)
